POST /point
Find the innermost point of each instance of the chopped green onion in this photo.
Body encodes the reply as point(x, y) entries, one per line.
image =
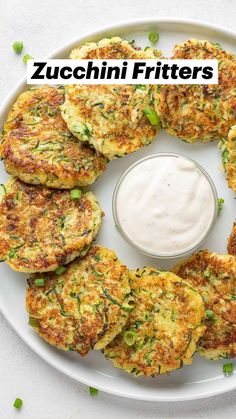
point(33, 322)
point(96, 273)
point(39, 282)
point(220, 204)
point(153, 37)
point(152, 116)
point(209, 314)
point(140, 87)
point(93, 391)
point(224, 157)
point(17, 47)
point(75, 194)
point(130, 337)
point(128, 307)
point(12, 253)
point(26, 58)
point(217, 45)
point(18, 403)
point(228, 369)
point(60, 270)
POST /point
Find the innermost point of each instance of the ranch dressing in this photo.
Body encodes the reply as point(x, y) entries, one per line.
point(165, 204)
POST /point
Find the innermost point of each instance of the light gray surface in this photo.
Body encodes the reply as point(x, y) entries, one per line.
point(43, 26)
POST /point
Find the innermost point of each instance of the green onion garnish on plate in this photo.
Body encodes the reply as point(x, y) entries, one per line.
point(26, 58)
point(93, 391)
point(17, 47)
point(18, 403)
point(228, 369)
point(220, 202)
point(153, 37)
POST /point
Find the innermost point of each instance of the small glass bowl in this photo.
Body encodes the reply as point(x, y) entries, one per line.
point(144, 251)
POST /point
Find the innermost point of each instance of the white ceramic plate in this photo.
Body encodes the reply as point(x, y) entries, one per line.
point(204, 378)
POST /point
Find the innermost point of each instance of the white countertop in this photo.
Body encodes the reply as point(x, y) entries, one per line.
point(44, 26)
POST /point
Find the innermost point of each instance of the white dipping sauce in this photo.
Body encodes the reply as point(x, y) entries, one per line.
point(165, 204)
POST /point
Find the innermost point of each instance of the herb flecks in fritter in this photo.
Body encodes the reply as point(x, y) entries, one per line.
point(42, 229)
point(38, 148)
point(111, 117)
point(214, 276)
point(228, 148)
point(163, 329)
point(199, 112)
point(86, 306)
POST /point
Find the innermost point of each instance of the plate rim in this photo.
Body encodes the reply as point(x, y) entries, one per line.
point(4, 108)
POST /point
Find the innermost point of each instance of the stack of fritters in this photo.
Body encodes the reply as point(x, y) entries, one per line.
point(38, 148)
point(86, 306)
point(97, 301)
point(147, 322)
point(44, 228)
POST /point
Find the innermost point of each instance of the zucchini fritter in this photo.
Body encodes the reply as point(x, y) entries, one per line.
point(38, 148)
point(232, 241)
point(214, 276)
point(113, 48)
point(110, 117)
point(163, 329)
point(42, 229)
point(199, 112)
point(228, 148)
point(86, 306)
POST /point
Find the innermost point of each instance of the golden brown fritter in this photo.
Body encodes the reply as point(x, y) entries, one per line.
point(214, 276)
point(38, 148)
point(42, 229)
point(228, 148)
point(232, 241)
point(83, 308)
point(111, 117)
point(199, 112)
point(163, 329)
point(113, 48)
